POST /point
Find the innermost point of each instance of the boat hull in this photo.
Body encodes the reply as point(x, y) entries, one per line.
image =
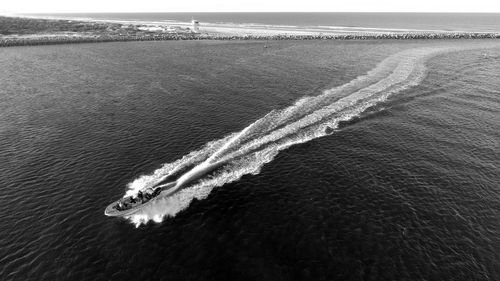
point(167, 189)
point(111, 211)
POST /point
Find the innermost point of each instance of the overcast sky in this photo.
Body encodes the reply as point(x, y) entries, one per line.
point(56, 6)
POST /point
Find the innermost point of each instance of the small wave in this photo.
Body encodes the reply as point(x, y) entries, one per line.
point(245, 152)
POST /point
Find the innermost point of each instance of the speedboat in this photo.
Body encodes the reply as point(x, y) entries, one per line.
point(132, 204)
point(128, 205)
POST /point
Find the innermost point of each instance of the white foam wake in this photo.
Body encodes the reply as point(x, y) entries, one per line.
point(247, 151)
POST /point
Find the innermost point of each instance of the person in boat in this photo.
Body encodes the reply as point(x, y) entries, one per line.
point(122, 206)
point(140, 196)
point(148, 194)
point(132, 200)
point(328, 130)
point(157, 191)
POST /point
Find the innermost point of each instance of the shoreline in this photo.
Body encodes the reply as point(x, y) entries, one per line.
point(31, 31)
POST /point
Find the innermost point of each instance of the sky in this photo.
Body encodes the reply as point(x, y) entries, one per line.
point(93, 6)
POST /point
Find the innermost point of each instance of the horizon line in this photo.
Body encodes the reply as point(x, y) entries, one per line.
point(241, 12)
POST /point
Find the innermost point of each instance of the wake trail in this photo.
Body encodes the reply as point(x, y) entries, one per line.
point(245, 152)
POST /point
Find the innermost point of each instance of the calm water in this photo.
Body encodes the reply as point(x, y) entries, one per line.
point(441, 21)
point(405, 188)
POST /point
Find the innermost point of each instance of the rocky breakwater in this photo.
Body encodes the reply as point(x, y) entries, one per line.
point(93, 38)
point(18, 31)
point(88, 38)
point(358, 36)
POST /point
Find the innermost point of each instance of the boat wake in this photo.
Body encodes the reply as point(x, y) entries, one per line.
point(247, 151)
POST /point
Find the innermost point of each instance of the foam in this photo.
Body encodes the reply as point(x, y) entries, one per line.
point(247, 151)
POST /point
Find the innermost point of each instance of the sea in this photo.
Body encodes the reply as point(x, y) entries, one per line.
point(341, 160)
point(471, 22)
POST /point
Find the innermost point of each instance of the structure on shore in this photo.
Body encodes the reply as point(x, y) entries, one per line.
point(196, 25)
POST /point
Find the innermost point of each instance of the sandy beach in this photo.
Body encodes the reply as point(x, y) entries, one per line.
point(20, 30)
point(250, 29)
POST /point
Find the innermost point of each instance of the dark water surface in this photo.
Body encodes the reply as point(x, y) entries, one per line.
point(409, 189)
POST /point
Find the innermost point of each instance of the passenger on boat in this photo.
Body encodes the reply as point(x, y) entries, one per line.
point(147, 195)
point(156, 191)
point(140, 196)
point(328, 130)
